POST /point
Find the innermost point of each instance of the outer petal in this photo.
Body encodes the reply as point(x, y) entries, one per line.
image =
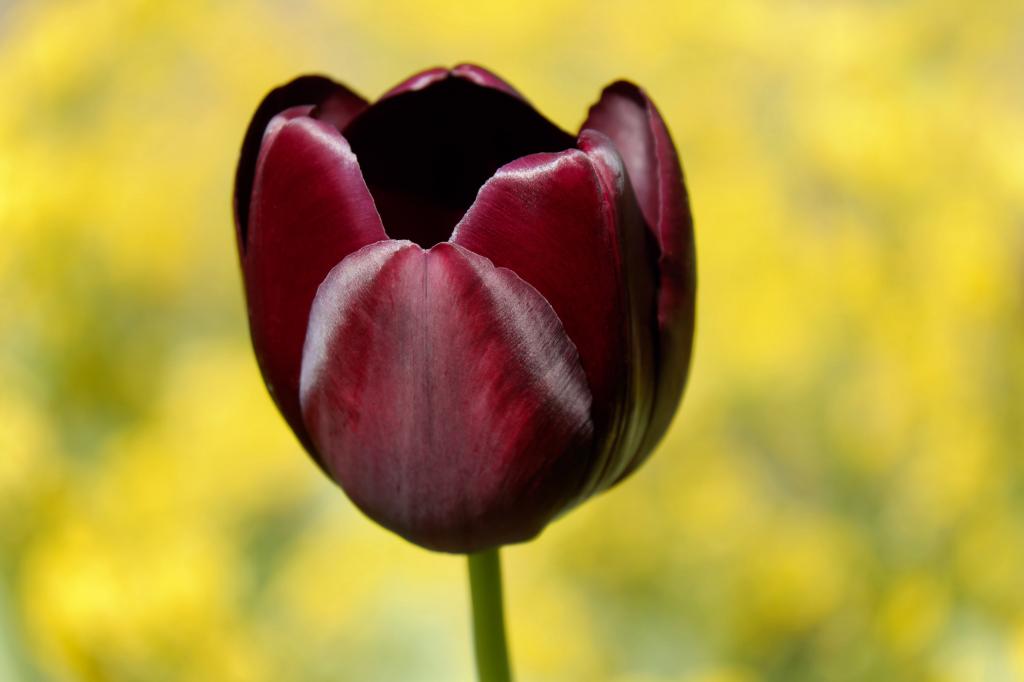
point(445, 396)
point(310, 208)
point(626, 114)
point(306, 91)
point(638, 255)
point(554, 220)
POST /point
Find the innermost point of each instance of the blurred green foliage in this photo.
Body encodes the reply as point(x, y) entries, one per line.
point(841, 497)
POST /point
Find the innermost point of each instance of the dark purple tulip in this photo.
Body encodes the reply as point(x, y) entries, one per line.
point(471, 319)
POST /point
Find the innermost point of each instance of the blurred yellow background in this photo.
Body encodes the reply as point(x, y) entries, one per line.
point(841, 497)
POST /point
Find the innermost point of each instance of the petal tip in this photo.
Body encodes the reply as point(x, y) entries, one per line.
point(417, 81)
point(465, 71)
point(370, 397)
point(309, 90)
point(484, 77)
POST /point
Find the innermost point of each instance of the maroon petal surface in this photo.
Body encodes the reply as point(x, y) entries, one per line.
point(470, 72)
point(546, 218)
point(554, 220)
point(626, 114)
point(418, 81)
point(444, 396)
point(310, 208)
point(426, 149)
point(482, 76)
point(306, 91)
point(338, 109)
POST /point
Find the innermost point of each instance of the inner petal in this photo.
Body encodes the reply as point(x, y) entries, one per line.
point(424, 154)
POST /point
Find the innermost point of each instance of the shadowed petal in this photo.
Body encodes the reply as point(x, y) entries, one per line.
point(626, 114)
point(338, 109)
point(638, 256)
point(444, 396)
point(310, 208)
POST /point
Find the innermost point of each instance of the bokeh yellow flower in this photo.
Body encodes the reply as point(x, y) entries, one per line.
point(840, 498)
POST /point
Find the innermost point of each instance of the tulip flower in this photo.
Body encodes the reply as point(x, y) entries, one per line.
point(471, 319)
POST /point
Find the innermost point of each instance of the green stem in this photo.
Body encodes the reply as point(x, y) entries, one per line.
point(488, 617)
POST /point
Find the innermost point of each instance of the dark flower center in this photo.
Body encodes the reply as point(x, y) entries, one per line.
point(425, 154)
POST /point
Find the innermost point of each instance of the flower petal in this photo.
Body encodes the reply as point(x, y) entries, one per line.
point(554, 219)
point(304, 90)
point(626, 114)
point(426, 151)
point(638, 257)
point(445, 396)
point(470, 72)
point(482, 76)
point(417, 81)
point(310, 209)
point(546, 218)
